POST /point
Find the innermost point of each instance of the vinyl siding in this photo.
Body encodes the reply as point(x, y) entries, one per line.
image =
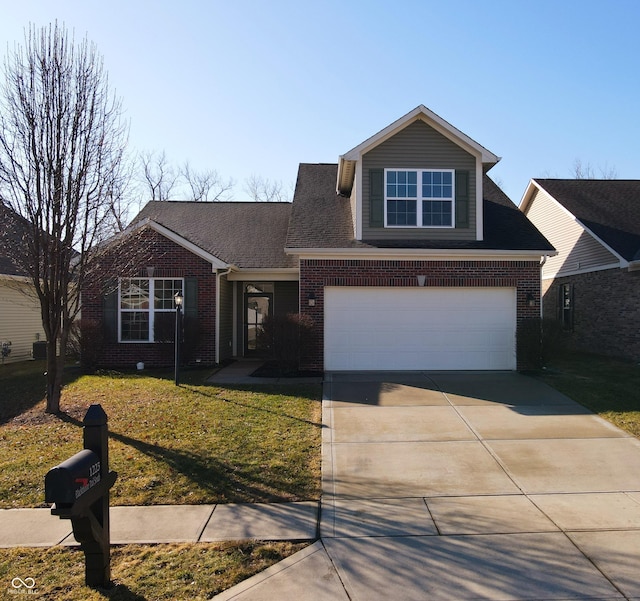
point(20, 321)
point(578, 251)
point(418, 146)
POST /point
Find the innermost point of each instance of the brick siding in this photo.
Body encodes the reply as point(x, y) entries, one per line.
point(315, 274)
point(606, 311)
point(130, 258)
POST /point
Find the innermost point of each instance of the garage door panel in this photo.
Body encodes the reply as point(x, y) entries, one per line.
point(424, 328)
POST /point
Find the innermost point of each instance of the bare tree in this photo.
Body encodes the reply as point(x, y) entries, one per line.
point(206, 185)
point(62, 140)
point(159, 178)
point(582, 171)
point(262, 189)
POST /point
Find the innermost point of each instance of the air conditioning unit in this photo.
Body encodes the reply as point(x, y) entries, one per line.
point(39, 350)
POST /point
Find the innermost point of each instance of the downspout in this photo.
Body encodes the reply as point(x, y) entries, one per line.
point(219, 275)
point(544, 260)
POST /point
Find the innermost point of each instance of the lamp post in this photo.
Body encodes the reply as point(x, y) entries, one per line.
point(177, 299)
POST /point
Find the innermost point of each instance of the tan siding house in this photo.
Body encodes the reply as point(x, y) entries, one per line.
point(20, 321)
point(592, 286)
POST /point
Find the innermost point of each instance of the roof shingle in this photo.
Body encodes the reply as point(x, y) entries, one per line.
point(250, 235)
point(321, 218)
point(609, 208)
point(13, 230)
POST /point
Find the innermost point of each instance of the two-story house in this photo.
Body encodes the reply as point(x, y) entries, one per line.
point(404, 255)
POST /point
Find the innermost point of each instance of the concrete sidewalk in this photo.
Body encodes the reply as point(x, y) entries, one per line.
point(465, 486)
point(169, 524)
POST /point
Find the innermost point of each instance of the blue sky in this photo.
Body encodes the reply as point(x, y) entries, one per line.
point(254, 87)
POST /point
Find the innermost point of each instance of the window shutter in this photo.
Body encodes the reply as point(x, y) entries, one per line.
point(376, 197)
point(110, 315)
point(462, 199)
point(191, 297)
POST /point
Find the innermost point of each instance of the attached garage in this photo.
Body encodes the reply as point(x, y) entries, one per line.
point(391, 328)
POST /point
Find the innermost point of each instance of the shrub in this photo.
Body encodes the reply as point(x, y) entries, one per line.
point(529, 343)
point(286, 338)
point(164, 331)
point(540, 342)
point(88, 340)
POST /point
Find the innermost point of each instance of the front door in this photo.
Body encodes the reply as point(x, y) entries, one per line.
point(258, 306)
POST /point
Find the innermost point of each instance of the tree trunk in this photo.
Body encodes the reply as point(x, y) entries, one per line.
point(54, 378)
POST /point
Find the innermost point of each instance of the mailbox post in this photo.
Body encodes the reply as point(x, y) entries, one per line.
point(79, 490)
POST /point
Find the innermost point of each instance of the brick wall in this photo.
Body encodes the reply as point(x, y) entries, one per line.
point(606, 311)
point(131, 258)
point(316, 274)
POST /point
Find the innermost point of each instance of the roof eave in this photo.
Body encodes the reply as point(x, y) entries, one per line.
point(346, 176)
point(270, 273)
point(419, 252)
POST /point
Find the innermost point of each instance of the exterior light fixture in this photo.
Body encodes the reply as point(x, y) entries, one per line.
point(311, 299)
point(531, 301)
point(178, 300)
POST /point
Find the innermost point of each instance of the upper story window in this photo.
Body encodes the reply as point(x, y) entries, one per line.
point(419, 197)
point(147, 309)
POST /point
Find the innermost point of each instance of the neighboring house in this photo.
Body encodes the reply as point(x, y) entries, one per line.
point(404, 255)
point(593, 285)
point(20, 318)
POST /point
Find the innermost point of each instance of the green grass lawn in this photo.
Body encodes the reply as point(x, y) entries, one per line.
point(170, 445)
point(609, 387)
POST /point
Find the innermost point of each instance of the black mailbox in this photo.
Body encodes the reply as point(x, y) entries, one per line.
point(67, 482)
point(79, 490)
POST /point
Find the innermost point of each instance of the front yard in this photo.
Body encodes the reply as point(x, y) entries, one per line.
point(170, 445)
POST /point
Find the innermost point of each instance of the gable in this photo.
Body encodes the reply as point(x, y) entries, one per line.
point(428, 184)
point(608, 209)
point(578, 251)
point(418, 146)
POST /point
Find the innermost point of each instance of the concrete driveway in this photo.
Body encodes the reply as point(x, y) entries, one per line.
point(466, 486)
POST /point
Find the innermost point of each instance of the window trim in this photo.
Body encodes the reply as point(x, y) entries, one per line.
point(419, 199)
point(151, 310)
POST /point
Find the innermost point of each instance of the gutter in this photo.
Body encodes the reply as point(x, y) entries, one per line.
point(418, 253)
point(544, 260)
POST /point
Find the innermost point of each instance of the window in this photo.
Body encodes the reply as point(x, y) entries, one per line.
point(565, 305)
point(419, 198)
point(146, 308)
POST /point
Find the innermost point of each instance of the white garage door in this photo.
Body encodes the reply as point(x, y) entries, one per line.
point(419, 328)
